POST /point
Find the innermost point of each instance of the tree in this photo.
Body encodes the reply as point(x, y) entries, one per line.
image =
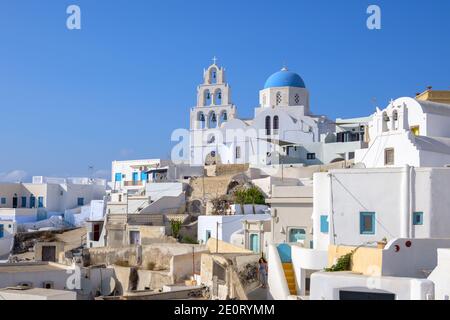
point(175, 226)
point(254, 196)
point(251, 195)
point(239, 197)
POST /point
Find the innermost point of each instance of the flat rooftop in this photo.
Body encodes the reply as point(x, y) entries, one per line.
point(35, 291)
point(31, 267)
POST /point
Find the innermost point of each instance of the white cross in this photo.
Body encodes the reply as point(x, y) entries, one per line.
point(214, 59)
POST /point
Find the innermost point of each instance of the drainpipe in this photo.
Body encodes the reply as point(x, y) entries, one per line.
point(405, 202)
point(412, 178)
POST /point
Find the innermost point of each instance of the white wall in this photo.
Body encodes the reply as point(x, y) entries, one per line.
point(227, 225)
point(326, 286)
point(158, 190)
point(389, 194)
point(278, 287)
point(441, 275)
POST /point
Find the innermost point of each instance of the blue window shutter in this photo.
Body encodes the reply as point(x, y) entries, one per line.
point(24, 202)
point(324, 226)
point(144, 176)
point(118, 177)
point(1, 231)
point(367, 222)
point(135, 176)
point(418, 218)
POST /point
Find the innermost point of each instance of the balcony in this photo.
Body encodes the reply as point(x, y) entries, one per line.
point(133, 183)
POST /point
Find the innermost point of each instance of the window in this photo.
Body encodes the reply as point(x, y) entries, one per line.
point(389, 157)
point(367, 222)
point(135, 237)
point(80, 202)
point(224, 117)
point(1, 231)
point(276, 124)
point(351, 155)
point(212, 120)
point(208, 234)
point(418, 218)
point(415, 130)
point(268, 125)
point(238, 152)
point(297, 98)
point(296, 235)
point(135, 176)
point(201, 120)
point(32, 201)
point(278, 98)
point(264, 100)
point(324, 224)
point(40, 202)
point(118, 177)
point(218, 97)
point(311, 156)
point(23, 202)
point(144, 176)
point(3, 201)
point(207, 97)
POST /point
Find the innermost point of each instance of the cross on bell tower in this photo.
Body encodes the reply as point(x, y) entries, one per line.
point(214, 59)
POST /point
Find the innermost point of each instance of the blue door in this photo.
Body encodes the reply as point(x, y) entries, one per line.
point(135, 176)
point(1, 231)
point(254, 243)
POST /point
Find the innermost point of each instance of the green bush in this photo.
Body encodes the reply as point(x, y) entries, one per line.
point(175, 226)
point(187, 239)
point(252, 195)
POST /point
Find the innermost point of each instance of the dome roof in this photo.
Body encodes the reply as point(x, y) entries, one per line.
point(284, 78)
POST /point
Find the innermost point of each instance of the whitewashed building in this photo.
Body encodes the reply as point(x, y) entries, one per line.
point(45, 197)
point(136, 174)
point(283, 125)
point(408, 131)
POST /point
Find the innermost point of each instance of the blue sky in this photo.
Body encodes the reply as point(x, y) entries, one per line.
point(118, 87)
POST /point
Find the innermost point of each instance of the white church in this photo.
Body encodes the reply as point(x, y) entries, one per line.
point(282, 129)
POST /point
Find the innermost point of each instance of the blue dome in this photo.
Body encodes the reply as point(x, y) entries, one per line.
point(284, 78)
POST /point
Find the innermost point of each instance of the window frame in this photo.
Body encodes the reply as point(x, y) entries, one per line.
point(238, 152)
point(415, 215)
point(40, 201)
point(362, 229)
point(386, 162)
point(324, 224)
point(311, 156)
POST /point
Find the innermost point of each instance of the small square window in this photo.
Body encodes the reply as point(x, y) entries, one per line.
point(351, 155)
point(3, 201)
point(367, 222)
point(389, 157)
point(418, 218)
point(80, 202)
point(324, 226)
point(311, 156)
